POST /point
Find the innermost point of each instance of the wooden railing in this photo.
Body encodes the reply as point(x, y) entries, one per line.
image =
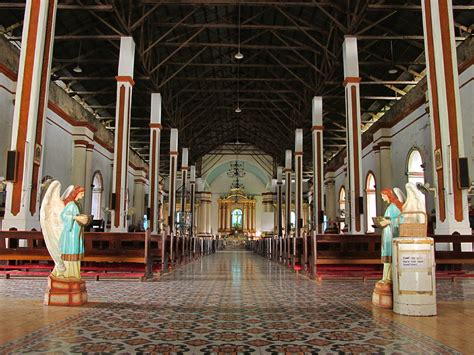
point(309, 251)
point(21, 247)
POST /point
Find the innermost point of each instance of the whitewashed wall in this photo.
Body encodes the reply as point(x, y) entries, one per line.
point(414, 131)
point(6, 118)
point(466, 83)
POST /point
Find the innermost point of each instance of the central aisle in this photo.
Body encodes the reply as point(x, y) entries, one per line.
point(229, 302)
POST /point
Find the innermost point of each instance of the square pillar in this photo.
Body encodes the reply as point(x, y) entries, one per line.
point(154, 174)
point(172, 180)
point(299, 181)
point(318, 177)
point(354, 146)
point(122, 134)
point(452, 213)
point(31, 100)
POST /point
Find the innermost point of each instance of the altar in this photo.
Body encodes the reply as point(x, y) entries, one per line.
point(237, 213)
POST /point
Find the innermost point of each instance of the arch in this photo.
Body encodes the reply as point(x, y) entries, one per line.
point(237, 218)
point(97, 193)
point(342, 206)
point(415, 167)
point(371, 200)
point(224, 166)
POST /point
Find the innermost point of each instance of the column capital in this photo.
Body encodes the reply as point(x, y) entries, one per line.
point(317, 128)
point(125, 79)
point(351, 80)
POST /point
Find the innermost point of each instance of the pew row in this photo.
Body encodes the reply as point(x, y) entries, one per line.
point(119, 255)
point(326, 251)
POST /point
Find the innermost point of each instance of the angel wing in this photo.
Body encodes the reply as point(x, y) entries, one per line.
point(51, 223)
point(400, 194)
point(414, 203)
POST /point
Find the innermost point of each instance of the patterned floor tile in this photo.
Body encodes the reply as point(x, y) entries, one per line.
point(229, 303)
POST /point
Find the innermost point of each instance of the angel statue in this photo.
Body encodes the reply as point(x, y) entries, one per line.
point(415, 202)
point(62, 223)
point(390, 228)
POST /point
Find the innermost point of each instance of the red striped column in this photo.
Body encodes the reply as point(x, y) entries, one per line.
point(445, 110)
point(298, 181)
point(318, 176)
point(172, 180)
point(354, 150)
point(31, 100)
point(184, 178)
point(154, 162)
point(288, 166)
point(122, 134)
point(279, 202)
point(192, 202)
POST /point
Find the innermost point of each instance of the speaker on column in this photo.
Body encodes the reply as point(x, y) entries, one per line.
point(463, 179)
point(361, 205)
point(321, 216)
point(12, 165)
point(148, 212)
point(112, 201)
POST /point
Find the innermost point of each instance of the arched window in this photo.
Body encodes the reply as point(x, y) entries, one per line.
point(415, 167)
point(97, 190)
point(371, 198)
point(342, 206)
point(237, 218)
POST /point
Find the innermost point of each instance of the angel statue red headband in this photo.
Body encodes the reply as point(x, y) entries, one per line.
point(72, 196)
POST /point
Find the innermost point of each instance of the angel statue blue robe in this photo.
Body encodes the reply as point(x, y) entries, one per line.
point(388, 233)
point(71, 243)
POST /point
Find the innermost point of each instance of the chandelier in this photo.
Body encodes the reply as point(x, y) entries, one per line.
point(236, 171)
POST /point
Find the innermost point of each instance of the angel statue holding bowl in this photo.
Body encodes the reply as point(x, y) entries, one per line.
point(62, 225)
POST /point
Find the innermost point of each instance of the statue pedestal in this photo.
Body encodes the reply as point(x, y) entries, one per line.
point(65, 292)
point(414, 276)
point(382, 295)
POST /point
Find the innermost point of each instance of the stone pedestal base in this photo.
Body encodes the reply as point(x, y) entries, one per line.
point(382, 295)
point(65, 292)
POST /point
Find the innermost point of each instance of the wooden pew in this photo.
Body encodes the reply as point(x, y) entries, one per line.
point(347, 249)
point(140, 248)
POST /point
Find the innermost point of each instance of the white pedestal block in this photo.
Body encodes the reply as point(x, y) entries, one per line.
point(414, 276)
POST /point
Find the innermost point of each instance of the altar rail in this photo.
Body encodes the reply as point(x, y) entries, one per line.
point(153, 252)
point(345, 249)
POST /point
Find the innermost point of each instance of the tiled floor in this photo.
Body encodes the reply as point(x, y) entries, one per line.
point(231, 302)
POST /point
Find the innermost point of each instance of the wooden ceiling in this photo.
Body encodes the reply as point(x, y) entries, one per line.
point(185, 50)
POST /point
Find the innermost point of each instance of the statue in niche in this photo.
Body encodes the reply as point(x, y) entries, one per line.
point(62, 225)
point(382, 295)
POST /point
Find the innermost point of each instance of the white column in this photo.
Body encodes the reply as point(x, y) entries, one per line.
point(172, 179)
point(452, 213)
point(31, 100)
point(279, 201)
point(288, 166)
point(139, 196)
point(192, 183)
point(354, 150)
point(154, 161)
point(299, 181)
point(82, 165)
point(184, 177)
point(318, 177)
point(331, 198)
point(122, 133)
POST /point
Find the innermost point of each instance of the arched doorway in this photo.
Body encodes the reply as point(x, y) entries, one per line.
point(97, 191)
point(415, 168)
point(371, 199)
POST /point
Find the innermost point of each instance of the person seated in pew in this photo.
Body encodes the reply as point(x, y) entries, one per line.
point(332, 228)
